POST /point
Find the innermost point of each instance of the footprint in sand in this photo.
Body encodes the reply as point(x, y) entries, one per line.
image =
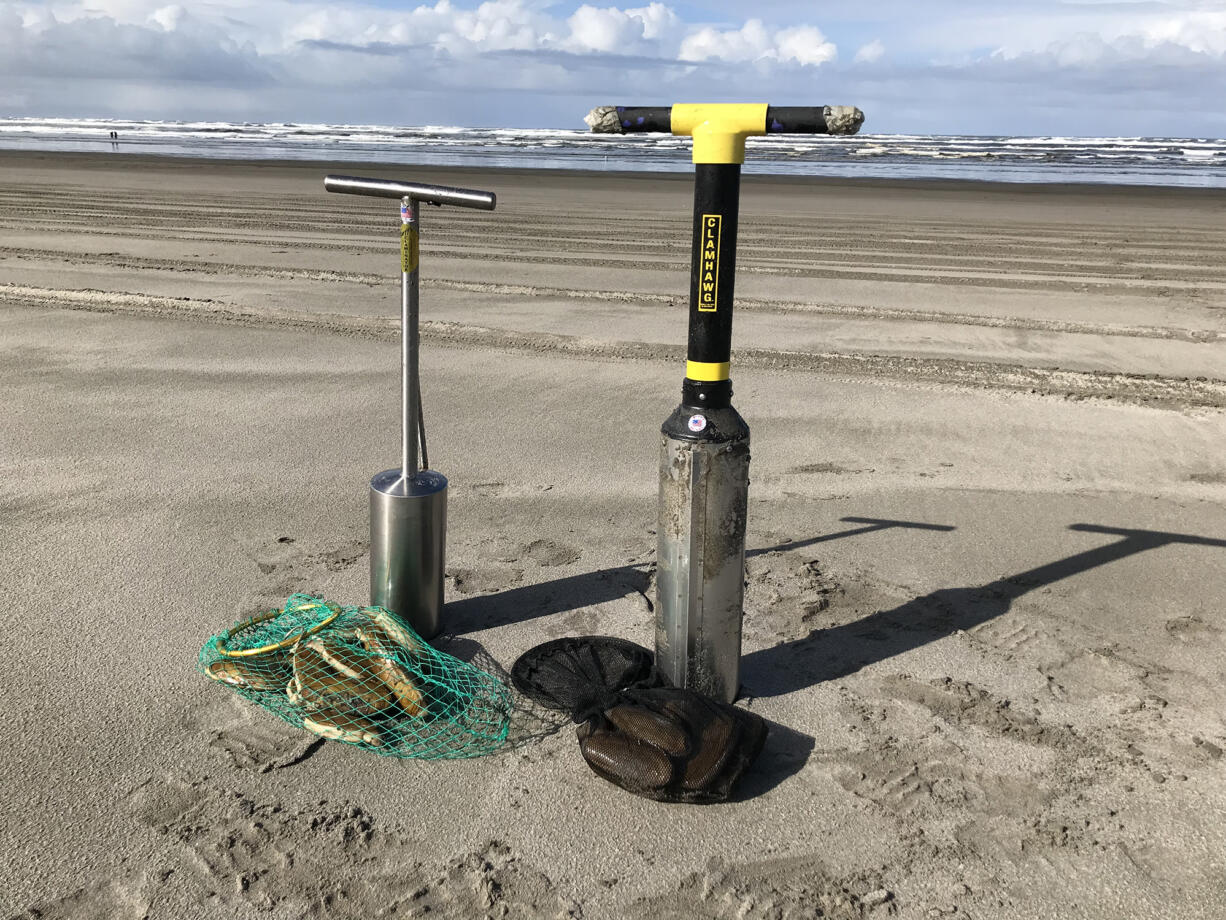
point(233, 853)
point(290, 561)
point(547, 553)
point(830, 468)
point(264, 747)
point(485, 580)
point(1015, 634)
point(1191, 629)
point(961, 703)
point(109, 900)
point(1092, 673)
point(773, 888)
point(250, 739)
point(1215, 478)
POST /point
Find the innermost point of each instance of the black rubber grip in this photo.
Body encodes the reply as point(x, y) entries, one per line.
point(796, 119)
point(636, 119)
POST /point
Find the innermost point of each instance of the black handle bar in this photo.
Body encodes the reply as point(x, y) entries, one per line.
point(780, 119)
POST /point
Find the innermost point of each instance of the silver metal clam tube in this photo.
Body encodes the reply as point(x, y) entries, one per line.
point(408, 541)
point(704, 495)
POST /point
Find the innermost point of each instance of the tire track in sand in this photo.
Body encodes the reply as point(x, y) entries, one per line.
point(1150, 390)
point(774, 306)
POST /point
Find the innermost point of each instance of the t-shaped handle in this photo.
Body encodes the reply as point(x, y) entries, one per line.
point(414, 191)
point(719, 129)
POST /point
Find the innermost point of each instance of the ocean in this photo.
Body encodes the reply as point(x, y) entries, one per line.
point(1158, 161)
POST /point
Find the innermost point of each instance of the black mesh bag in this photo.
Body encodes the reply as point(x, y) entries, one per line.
point(635, 731)
point(578, 676)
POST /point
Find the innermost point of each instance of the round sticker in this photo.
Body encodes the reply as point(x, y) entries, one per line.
point(698, 422)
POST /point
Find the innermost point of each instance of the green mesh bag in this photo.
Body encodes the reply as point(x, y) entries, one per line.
point(359, 675)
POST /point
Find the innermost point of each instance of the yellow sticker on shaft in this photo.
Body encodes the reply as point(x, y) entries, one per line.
point(408, 248)
point(708, 273)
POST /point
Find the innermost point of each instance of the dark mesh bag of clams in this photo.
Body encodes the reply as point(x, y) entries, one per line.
point(634, 730)
point(361, 676)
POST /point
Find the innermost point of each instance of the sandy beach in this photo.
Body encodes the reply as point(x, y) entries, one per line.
point(986, 576)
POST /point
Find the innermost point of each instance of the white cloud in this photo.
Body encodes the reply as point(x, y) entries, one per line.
point(168, 17)
point(870, 52)
point(1129, 35)
point(533, 61)
point(622, 31)
point(753, 42)
point(297, 37)
point(804, 45)
point(1204, 33)
point(496, 25)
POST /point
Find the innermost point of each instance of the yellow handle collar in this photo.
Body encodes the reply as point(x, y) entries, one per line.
point(719, 129)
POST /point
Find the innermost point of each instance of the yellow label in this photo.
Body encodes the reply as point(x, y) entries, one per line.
point(708, 273)
point(408, 248)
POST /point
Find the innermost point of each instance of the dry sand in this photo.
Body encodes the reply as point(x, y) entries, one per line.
point(987, 543)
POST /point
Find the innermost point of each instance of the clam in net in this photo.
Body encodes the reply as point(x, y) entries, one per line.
point(361, 676)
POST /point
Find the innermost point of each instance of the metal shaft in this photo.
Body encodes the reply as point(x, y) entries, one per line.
point(410, 337)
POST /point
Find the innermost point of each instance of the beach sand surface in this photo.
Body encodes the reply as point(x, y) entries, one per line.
point(986, 542)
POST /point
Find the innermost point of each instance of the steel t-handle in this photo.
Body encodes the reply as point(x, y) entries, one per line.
point(415, 191)
point(412, 432)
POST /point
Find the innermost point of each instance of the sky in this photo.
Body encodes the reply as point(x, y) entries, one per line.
point(1027, 67)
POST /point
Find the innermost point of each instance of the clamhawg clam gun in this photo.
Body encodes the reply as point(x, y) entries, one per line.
point(704, 458)
point(408, 506)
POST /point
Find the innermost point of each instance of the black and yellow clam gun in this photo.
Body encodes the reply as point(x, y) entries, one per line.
point(704, 458)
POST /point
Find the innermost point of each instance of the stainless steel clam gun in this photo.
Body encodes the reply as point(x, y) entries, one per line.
point(408, 506)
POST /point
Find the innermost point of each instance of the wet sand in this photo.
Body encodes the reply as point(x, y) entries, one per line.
point(987, 547)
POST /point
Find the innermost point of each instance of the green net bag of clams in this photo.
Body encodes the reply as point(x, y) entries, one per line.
point(361, 676)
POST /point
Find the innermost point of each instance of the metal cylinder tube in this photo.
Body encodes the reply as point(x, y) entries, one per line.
point(704, 467)
point(408, 539)
point(700, 553)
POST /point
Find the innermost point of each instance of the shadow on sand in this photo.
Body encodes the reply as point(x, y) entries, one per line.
point(517, 605)
point(841, 650)
point(824, 654)
point(786, 750)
